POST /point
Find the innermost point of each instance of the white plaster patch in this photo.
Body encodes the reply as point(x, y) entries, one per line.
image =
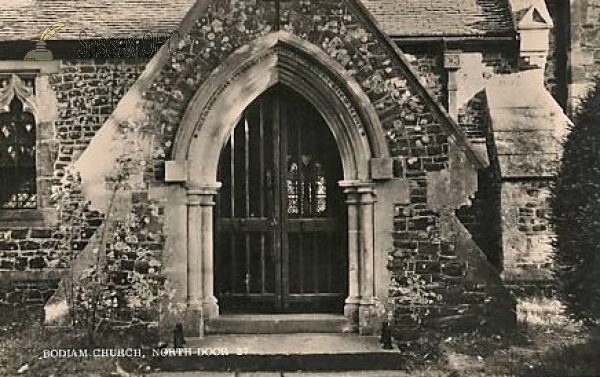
point(128, 108)
point(56, 312)
point(471, 77)
point(95, 163)
point(452, 188)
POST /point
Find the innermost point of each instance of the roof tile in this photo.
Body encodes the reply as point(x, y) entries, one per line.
point(25, 19)
point(437, 18)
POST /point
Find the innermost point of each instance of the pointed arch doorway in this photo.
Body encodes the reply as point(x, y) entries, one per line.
point(213, 113)
point(280, 227)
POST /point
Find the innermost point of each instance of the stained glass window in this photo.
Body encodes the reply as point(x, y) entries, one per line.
point(293, 192)
point(306, 187)
point(17, 158)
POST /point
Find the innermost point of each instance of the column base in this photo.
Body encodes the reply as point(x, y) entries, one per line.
point(210, 308)
point(194, 317)
point(368, 318)
point(351, 311)
point(192, 324)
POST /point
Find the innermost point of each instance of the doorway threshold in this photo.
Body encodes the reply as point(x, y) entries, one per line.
point(277, 324)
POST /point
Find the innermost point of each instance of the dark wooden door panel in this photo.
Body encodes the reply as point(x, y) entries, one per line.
point(245, 264)
point(312, 225)
point(280, 222)
point(250, 225)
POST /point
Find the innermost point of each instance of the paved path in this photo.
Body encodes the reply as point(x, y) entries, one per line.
point(285, 374)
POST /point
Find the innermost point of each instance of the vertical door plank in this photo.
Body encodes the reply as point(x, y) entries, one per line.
point(232, 170)
point(261, 194)
point(249, 277)
point(279, 243)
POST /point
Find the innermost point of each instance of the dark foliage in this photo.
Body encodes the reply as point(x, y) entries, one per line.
point(576, 213)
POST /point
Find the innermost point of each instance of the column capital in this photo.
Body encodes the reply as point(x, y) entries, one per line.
point(452, 60)
point(351, 184)
point(358, 192)
point(202, 195)
point(204, 189)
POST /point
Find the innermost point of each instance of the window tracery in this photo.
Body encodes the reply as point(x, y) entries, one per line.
point(18, 189)
point(306, 187)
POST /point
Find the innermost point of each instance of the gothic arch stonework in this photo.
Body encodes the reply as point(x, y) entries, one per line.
point(208, 121)
point(280, 58)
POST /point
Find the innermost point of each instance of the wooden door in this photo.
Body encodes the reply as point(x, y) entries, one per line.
point(280, 227)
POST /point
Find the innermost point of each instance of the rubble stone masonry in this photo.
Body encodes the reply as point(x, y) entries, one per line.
point(439, 276)
point(86, 93)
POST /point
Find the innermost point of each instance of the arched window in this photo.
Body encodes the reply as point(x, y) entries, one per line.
point(17, 158)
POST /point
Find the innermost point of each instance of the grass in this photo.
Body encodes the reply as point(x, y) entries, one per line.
point(23, 340)
point(544, 344)
point(25, 349)
point(534, 351)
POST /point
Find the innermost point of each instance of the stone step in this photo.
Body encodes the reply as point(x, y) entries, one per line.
point(369, 373)
point(281, 353)
point(277, 324)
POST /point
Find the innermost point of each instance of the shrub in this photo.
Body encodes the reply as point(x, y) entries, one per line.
point(575, 205)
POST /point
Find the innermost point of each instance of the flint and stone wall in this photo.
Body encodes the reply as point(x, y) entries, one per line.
point(85, 93)
point(438, 273)
point(527, 235)
point(425, 252)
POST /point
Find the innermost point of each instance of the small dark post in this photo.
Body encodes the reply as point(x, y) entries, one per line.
point(386, 336)
point(178, 339)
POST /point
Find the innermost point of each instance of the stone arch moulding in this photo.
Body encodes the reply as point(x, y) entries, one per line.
point(284, 58)
point(215, 110)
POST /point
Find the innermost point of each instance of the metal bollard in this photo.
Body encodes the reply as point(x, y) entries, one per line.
point(386, 336)
point(178, 339)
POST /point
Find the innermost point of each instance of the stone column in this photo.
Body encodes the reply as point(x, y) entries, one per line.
point(194, 257)
point(200, 250)
point(360, 304)
point(352, 303)
point(207, 204)
point(368, 312)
